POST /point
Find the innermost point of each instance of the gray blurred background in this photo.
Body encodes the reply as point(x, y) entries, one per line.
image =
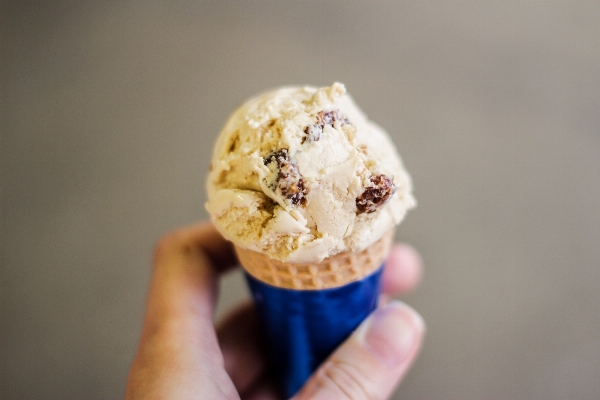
point(109, 112)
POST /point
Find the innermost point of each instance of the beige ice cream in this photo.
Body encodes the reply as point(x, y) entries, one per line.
point(300, 174)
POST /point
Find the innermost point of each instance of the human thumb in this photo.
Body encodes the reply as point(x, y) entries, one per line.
point(371, 362)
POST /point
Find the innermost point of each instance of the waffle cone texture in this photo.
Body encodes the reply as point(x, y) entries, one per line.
point(333, 271)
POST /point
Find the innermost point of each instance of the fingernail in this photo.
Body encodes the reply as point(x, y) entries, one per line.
point(392, 332)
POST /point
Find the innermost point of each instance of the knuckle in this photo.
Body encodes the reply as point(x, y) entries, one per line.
point(165, 245)
point(344, 379)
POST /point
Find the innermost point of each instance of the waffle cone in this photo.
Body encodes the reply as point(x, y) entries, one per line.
point(333, 271)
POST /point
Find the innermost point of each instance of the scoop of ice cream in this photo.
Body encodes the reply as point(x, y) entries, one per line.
point(300, 174)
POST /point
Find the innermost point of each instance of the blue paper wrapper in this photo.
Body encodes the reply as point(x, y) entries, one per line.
point(304, 326)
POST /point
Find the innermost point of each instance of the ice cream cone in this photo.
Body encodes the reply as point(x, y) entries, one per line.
point(299, 180)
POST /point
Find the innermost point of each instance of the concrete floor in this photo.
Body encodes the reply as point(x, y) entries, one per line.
point(109, 112)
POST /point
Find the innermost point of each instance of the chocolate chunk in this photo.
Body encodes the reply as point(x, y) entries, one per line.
point(329, 117)
point(289, 180)
point(313, 132)
point(376, 196)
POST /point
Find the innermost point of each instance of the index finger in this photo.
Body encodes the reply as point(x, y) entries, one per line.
point(186, 265)
point(179, 353)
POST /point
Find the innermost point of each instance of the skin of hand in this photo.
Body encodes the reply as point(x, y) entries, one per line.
point(182, 355)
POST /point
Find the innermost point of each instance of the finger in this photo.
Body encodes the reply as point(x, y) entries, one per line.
point(179, 345)
point(184, 281)
point(205, 236)
point(264, 390)
point(373, 360)
point(243, 347)
point(403, 270)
